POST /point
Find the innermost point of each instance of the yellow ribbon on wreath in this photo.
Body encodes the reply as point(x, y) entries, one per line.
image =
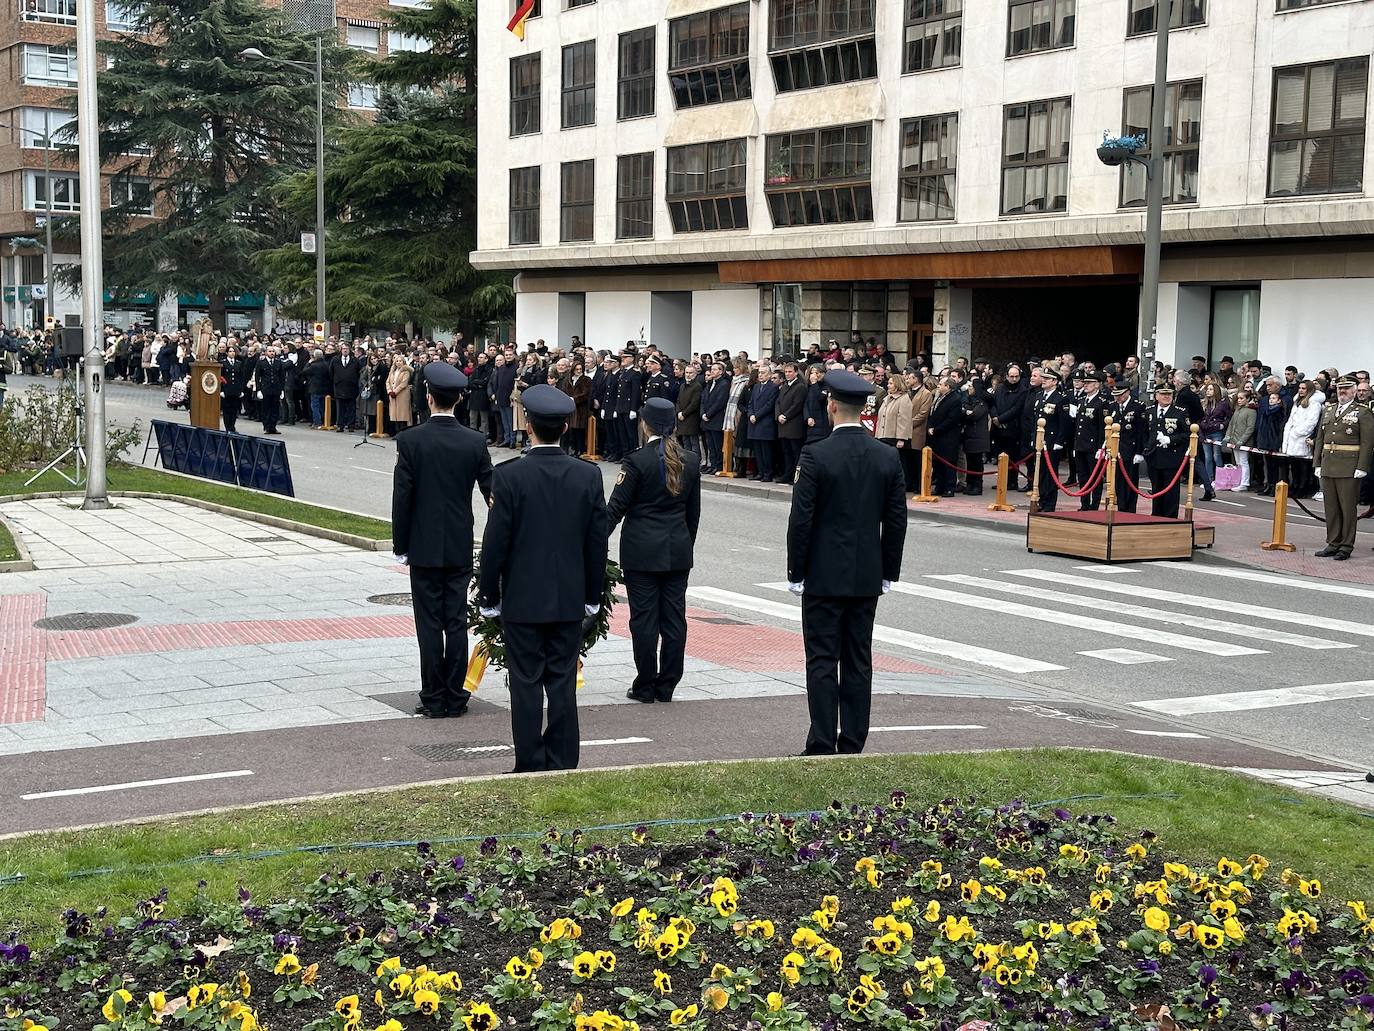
point(477, 668)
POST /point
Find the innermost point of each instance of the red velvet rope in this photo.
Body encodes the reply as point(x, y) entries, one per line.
point(1099, 470)
point(1149, 497)
point(985, 472)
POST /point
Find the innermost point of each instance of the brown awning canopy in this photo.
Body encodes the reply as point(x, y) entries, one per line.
point(1044, 263)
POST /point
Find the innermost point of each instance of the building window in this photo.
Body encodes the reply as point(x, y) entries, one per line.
point(534, 11)
point(1034, 25)
point(405, 43)
point(1182, 137)
point(524, 95)
point(820, 177)
point(821, 42)
point(1035, 157)
point(577, 204)
point(49, 66)
point(927, 168)
point(36, 123)
point(634, 197)
point(1140, 15)
point(787, 318)
point(367, 38)
point(1316, 129)
point(708, 57)
point(61, 11)
point(579, 3)
point(122, 16)
point(635, 92)
point(66, 192)
point(579, 84)
point(134, 195)
point(706, 184)
point(934, 34)
point(524, 205)
point(363, 96)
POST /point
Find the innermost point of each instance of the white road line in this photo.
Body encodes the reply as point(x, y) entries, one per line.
point(485, 749)
point(1300, 583)
point(1068, 619)
point(1002, 661)
point(1233, 504)
point(1242, 701)
point(1166, 733)
point(130, 785)
point(927, 726)
point(1108, 570)
point(1124, 656)
point(1263, 612)
point(1123, 608)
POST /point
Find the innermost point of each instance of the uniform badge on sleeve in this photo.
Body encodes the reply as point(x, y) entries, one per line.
point(796, 476)
point(621, 478)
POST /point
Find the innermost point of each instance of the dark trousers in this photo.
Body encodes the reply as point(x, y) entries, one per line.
point(973, 462)
point(909, 459)
point(658, 629)
point(1126, 498)
point(943, 479)
point(763, 457)
point(788, 453)
point(229, 410)
point(1084, 462)
point(439, 596)
point(270, 407)
point(713, 439)
point(288, 406)
point(1049, 493)
point(541, 660)
point(1167, 503)
point(348, 410)
point(839, 671)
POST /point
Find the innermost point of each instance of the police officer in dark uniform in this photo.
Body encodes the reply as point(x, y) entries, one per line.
point(232, 376)
point(1073, 396)
point(658, 494)
point(1166, 449)
point(543, 572)
point(1129, 414)
point(270, 379)
point(1050, 405)
point(609, 425)
point(1089, 438)
point(655, 383)
point(629, 395)
point(437, 465)
point(844, 549)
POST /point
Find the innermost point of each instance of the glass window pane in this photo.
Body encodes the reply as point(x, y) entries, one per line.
point(1347, 163)
point(1288, 100)
point(1283, 168)
point(1014, 146)
point(1013, 191)
point(1321, 92)
point(1352, 85)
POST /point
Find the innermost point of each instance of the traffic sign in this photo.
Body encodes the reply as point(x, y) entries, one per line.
point(319, 332)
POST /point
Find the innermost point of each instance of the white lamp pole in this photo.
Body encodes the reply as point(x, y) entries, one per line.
point(92, 255)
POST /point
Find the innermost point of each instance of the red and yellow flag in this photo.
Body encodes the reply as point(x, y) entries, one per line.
point(517, 22)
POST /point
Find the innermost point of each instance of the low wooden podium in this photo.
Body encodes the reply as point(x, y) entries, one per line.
point(204, 394)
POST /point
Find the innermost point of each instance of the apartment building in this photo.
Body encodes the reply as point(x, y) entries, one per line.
point(766, 174)
point(38, 80)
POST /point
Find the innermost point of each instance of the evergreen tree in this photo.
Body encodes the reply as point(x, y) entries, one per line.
point(216, 133)
point(403, 191)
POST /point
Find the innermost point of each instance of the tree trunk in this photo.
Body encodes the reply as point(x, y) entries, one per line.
point(217, 318)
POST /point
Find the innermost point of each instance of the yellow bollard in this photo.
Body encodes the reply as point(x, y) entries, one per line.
point(592, 456)
point(378, 433)
point(927, 495)
point(1003, 472)
point(1280, 521)
point(328, 413)
point(1035, 480)
point(728, 457)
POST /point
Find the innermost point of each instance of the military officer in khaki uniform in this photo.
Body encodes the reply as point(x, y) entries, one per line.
point(1344, 449)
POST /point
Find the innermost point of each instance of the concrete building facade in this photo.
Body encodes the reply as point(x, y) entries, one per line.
point(769, 174)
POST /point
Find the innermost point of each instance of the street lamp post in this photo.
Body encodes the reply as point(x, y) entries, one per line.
point(92, 254)
point(254, 54)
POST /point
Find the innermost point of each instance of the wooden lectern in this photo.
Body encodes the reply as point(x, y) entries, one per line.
point(204, 394)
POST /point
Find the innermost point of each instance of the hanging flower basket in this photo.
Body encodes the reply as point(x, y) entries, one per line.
point(1117, 150)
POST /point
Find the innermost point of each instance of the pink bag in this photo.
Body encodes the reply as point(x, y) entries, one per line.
point(1226, 477)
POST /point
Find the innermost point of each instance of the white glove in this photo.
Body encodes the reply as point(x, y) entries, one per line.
point(591, 610)
point(259, 395)
point(1073, 411)
point(1163, 439)
point(632, 416)
point(1059, 447)
point(1318, 472)
point(1360, 474)
point(402, 559)
point(887, 586)
point(1139, 459)
point(796, 588)
point(490, 613)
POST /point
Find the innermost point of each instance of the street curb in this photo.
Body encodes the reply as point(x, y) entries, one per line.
point(276, 522)
point(24, 563)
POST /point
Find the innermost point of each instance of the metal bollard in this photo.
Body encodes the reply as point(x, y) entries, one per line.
point(1280, 521)
point(927, 495)
point(592, 456)
point(378, 433)
point(328, 413)
point(728, 457)
point(1003, 473)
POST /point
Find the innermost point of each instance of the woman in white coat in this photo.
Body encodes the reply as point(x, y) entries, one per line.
point(1297, 438)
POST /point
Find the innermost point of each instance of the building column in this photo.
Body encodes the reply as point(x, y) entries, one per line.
point(898, 335)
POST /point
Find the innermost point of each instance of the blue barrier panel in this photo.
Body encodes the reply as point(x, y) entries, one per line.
point(254, 462)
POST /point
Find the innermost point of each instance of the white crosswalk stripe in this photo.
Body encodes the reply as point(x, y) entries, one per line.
point(1002, 661)
point(1262, 612)
point(1123, 608)
point(1296, 582)
point(1241, 701)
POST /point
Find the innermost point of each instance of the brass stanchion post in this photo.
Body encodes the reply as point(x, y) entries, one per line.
point(379, 433)
point(592, 456)
point(1035, 480)
point(927, 495)
point(1113, 453)
point(1192, 463)
point(328, 412)
point(1279, 543)
point(728, 457)
point(1003, 471)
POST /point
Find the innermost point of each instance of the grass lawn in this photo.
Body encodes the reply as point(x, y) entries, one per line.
point(1199, 813)
point(131, 477)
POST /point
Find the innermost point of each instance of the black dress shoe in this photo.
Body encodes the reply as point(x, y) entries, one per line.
point(664, 698)
point(462, 710)
point(639, 698)
point(425, 712)
point(1340, 556)
point(1326, 553)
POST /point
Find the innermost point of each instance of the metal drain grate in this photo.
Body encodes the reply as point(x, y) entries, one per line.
point(86, 621)
point(459, 751)
point(390, 599)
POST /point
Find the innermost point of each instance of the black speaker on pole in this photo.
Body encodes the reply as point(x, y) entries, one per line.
point(72, 343)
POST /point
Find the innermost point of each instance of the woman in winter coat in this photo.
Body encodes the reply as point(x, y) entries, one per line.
point(398, 387)
point(1216, 416)
point(942, 434)
point(737, 412)
point(894, 421)
point(816, 407)
point(1240, 432)
point(578, 386)
point(976, 436)
point(1270, 416)
point(1297, 438)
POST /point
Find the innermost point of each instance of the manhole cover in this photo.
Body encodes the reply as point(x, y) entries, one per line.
point(265, 540)
point(458, 751)
point(390, 599)
point(720, 620)
point(86, 621)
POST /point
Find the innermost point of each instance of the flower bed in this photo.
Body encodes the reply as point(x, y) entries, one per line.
point(959, 916)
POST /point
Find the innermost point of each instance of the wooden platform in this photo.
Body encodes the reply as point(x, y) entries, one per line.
point(1129, 537)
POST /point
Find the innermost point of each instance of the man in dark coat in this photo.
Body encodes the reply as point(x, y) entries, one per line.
point(845, 537)
point(1128, 413)
point(973, 398)
point(543, 593)
point(629, 395)
point(269, 378)
point(1167, 431)
point(715, 394)
point(1052, 406)
point(346, 371)
point(479, 401)
point(1089, 438)
point(437, 465)
point(1008, 402)
point(763, 426)
point(791, 406)
point(689, 411)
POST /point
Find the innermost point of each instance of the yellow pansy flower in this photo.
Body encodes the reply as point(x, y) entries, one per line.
point(679, 1017)
point(663, 983)
point(114, 1006)
point(481, 1017)
point(287, 965)
point(774, 1002)
point(1210, 938)
point(518, 969)
point(622, 908)
point(932, 913)
point(426, 1001)
point(1156, 919)
point(717, 997)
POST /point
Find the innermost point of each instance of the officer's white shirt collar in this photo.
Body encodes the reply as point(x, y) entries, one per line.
point(848, 426)
point(536, 447)
point(442, 415)
point(653, 438)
